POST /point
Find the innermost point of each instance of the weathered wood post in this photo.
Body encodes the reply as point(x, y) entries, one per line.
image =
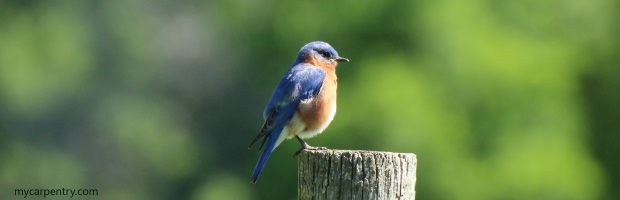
point(346, 174)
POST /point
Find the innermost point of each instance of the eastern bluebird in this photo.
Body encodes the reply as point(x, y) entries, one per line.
point(304, 102)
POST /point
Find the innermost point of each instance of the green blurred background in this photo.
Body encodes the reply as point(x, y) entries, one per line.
point(159, 99)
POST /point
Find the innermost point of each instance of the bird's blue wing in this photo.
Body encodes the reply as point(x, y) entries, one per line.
point(300, 82)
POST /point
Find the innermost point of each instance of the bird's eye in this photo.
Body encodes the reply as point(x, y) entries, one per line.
point(325, 54)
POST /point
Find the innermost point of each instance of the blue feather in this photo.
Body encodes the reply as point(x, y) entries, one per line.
point(271, 145)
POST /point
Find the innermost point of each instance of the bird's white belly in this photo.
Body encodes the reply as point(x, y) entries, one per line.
point(298, 127)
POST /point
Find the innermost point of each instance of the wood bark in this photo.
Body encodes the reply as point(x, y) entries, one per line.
point(347, 174)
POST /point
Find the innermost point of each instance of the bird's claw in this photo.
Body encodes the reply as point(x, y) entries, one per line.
point(308, 148)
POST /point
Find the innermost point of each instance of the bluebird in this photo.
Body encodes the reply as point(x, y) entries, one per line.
point(304, 102)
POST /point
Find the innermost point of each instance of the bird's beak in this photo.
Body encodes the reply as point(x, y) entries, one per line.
point(341, 59)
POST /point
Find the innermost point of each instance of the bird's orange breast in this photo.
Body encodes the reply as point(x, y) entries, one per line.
point(318, 112)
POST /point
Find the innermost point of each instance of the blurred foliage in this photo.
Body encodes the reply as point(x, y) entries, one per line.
point(159, 99)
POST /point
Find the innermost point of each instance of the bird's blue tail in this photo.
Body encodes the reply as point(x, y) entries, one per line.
point(269, 147)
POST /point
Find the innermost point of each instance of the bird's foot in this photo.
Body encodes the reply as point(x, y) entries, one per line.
point(308, 147)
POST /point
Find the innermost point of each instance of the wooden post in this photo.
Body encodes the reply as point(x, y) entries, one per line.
point(346, 174)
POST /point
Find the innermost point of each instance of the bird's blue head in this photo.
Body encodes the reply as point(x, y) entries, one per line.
point(319, 53)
